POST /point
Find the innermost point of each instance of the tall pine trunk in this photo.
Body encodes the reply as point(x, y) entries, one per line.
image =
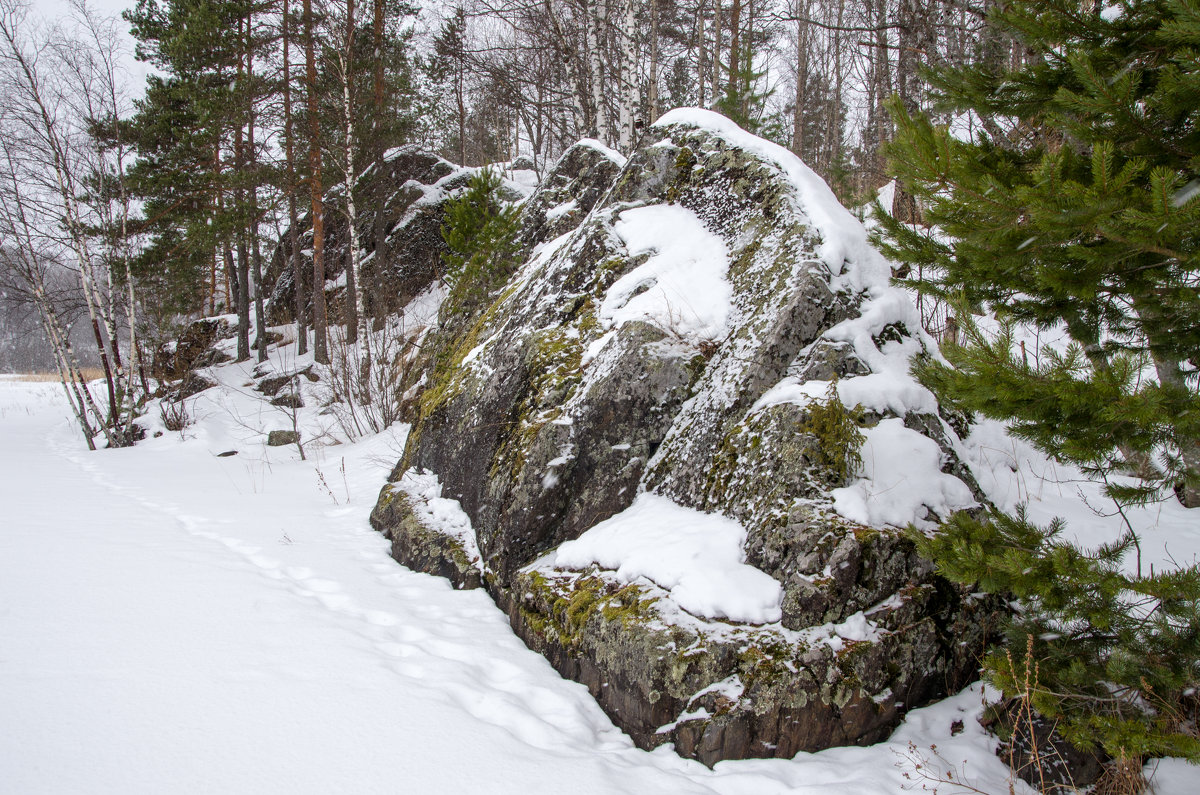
point(379, 231)
point(320, 332)
point(293, 215)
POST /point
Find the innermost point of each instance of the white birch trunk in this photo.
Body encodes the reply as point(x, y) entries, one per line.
point(361, 330)
point(629, 88)
point(595, 71)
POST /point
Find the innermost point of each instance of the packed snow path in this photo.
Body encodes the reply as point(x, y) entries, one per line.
point(172, 621)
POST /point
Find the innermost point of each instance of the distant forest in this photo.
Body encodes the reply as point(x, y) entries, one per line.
point(255, 109)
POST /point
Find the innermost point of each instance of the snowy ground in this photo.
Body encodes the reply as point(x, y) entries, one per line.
point(173, 621)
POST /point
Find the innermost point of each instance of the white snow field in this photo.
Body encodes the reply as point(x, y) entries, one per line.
point(176, 622)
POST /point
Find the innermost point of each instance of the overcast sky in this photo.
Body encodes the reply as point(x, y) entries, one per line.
point(57, 9)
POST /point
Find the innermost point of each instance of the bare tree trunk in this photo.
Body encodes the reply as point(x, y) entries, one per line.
point(356, 331)
point(802, 59)
point(702, 58)
point(595, 72)
point(290, 158)
point(833, 132)
point(69, 384)
point(320, 343)
point(97, 78)
point(260, 323)
point(378, 145)
point(135, 361)
point(628, 71)
point(735, 54)
point(718, 12)
point(567, 49)
point(652, 98)
point(239, 203)
point(212, 285)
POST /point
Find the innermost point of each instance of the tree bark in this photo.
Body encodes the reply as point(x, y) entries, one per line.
point(320, 339)
point(801, 100)
point(239, 204)
point(293, 216)
point(260, 322)
point(595, 72)
point(628, 68)
point(378, 146)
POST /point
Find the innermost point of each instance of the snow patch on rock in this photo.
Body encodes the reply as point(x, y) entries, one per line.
point(682, 288)
point(438, 513)
point(697, 557)
point(902, 480)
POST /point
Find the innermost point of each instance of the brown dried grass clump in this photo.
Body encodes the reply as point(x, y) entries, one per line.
point(89, 374)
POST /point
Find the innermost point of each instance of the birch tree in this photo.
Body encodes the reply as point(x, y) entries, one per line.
point(62, 93)
point(42, 96)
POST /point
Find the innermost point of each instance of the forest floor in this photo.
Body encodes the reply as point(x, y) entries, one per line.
point(174, 621)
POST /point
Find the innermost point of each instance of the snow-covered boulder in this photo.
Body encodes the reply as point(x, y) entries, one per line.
point(194, 348)
point(644, 445)
point(569, 191)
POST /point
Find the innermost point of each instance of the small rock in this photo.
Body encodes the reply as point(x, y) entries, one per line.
point(1038, 753)
point(271, 386)
point(289, 401)
point(211, 358)
point(193, 384)
point(281, 438)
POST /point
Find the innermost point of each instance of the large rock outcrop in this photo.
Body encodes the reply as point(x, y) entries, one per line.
point(694, 350)
point(400, 211)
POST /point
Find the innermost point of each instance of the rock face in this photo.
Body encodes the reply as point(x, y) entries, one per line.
point(705, 325)
point(193, 349)
point(400, 211)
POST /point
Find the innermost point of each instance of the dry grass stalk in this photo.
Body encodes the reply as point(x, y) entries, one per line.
point(89, 374)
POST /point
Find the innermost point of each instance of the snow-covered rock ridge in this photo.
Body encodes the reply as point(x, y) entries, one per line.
point(651, 430)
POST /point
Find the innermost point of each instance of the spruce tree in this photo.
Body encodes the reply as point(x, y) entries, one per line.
point(1075, 207)
point(480, 232)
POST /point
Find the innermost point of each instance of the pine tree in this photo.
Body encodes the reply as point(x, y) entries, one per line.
point(480, 233)
point(447, 71)
point(195, 171)
point(1076, 208)
point(744, 100)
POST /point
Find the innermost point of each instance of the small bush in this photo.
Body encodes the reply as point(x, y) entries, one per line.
point(480, 231)
point(839, 440)
point(174, 415)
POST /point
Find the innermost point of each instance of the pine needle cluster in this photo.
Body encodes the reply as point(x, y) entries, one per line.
point(836, 428)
